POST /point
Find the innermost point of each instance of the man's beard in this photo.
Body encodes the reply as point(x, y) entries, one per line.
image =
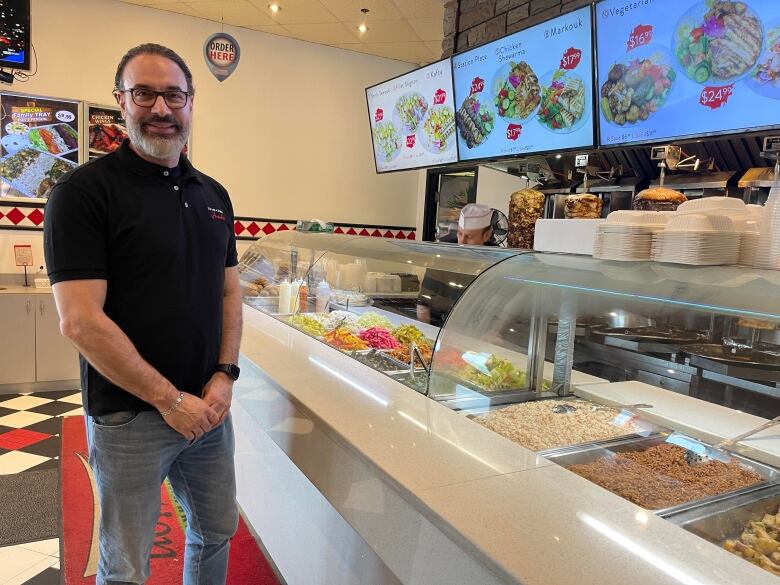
point(157, 146)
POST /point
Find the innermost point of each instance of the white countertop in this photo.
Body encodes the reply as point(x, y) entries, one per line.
point(527, 519)
point(24, 290)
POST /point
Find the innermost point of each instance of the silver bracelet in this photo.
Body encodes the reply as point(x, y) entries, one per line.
point(176, 405)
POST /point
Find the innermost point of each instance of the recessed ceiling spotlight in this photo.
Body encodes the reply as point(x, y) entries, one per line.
point(362, 27)
point(274, 7)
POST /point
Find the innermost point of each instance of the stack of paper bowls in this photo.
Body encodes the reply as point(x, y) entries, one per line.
point(628, 235)
point(699, 239)
point(748, 247)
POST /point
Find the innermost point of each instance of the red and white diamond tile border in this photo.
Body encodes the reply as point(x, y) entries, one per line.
point(30, 216)
point(250, 228)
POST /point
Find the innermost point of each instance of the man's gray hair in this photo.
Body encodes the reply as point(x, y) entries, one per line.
point(153, 49)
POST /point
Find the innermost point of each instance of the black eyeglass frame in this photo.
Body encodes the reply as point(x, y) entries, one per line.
point(157, 95)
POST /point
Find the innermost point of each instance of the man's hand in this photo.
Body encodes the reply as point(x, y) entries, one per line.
point(192, 418)
point(218, 394)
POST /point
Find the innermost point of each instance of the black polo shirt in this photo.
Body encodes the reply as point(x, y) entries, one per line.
point(161, 238)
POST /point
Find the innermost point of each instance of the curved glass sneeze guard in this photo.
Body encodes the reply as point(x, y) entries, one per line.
point(542, 325)
point(370, 297)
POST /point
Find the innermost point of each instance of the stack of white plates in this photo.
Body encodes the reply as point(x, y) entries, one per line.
point(748, 248)
point(699, 239)
point(628, 235)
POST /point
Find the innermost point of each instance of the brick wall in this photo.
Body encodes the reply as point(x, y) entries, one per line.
point(468, 23)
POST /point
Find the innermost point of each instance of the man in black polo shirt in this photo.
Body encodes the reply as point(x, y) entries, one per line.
point(141, 251)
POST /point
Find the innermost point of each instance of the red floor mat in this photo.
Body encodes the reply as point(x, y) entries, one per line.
point(247, 565)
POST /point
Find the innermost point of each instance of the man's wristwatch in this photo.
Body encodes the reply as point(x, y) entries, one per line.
point(232, 370)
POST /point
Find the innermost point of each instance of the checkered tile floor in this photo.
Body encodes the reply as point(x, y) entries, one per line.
point(30, 428)
point(30, 440)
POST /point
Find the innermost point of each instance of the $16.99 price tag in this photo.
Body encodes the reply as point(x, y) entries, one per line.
point(640, 36)
point(715, 97)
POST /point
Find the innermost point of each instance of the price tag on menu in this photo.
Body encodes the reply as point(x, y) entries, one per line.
point(715, 97)
point(640, 36)
point(571, 58)
point(23, 254)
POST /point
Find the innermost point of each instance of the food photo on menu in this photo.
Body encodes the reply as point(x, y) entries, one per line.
point(39, 141)
point(695, 67)
point(106, 129)
point(413, 119)
point(528, 92)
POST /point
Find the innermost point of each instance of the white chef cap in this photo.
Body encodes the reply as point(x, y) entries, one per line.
point(475, 216)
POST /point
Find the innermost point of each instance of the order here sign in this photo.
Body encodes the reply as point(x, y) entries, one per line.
point(222, 53)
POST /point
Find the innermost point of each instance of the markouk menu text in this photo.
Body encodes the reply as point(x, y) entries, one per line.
point(679, 68)
point(413, 119)
point(528, 92)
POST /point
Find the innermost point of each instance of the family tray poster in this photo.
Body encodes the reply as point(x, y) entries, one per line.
point(528, 92)
point(670, 69)
point(39, 142)
point(412, 119)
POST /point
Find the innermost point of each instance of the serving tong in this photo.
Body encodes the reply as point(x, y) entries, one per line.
point(697, 453)
point(566, 408)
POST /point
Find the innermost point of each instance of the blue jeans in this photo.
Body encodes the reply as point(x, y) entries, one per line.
point(131, 454)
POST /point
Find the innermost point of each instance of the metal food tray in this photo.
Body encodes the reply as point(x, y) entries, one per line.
point(403, 377)
point(23, 189)
point(394, 366)
point(496, 397)
point(48, 127)
point(563, 449)
point(586, 454)
point(725, 519)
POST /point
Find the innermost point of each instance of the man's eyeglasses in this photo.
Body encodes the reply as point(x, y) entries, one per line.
point(146, 98)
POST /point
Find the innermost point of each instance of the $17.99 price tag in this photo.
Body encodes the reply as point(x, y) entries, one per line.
point(640, 36)
point(571, 58)
point(715, 97)
point(513, 131)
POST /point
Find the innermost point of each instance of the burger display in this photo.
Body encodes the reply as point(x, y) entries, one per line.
point(582, 206)
point(658, 199)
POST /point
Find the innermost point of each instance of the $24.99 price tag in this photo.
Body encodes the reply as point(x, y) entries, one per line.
point(715, 97)
point(571, 58)
point(640, 36)
point(410, 140)
point(477, 85)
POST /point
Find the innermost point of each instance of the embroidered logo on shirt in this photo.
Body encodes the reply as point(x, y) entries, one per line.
point(217, 214)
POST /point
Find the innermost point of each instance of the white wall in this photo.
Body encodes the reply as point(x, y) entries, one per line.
point(287, 133)
point(495, 187)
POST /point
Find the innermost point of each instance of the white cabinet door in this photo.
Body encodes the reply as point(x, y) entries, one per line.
point(55, 356)
point(17, 332)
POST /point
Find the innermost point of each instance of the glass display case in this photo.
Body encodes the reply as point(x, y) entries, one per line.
point(627, 374)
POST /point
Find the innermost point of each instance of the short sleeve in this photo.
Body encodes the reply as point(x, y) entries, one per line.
point(74, 234)
point(231, 257)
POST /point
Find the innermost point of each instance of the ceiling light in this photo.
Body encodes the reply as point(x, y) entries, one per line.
point(274, 7)
point(362, 27)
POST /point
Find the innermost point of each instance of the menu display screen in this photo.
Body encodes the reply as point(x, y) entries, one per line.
point(15, 34)
point(675, 69)
point(413, 119)
point(529, 92)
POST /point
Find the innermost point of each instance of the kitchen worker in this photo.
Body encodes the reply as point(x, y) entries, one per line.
point(440, 289)
point(142, 255)
point(474, 226)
